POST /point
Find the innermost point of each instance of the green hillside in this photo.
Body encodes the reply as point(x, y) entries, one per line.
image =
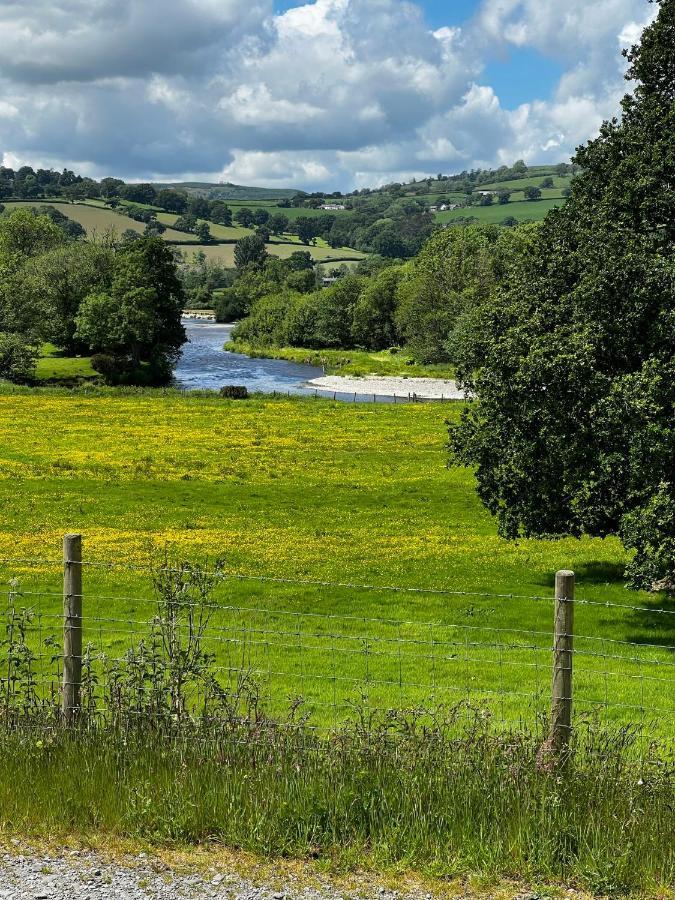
point(230, 191)
point(97, 219)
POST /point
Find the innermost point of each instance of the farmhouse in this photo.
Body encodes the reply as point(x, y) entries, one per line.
point(333, 206)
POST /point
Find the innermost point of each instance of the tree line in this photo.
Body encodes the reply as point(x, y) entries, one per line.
point(423, 304)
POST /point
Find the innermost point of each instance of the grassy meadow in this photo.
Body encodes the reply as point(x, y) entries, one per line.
point(96, 219)
point(518, 184)
point(224, 253)
point(521, 210)
point(312, 490)
point(53, 365)
point(292, 213)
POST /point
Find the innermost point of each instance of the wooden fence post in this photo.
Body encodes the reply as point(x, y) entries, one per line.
point(563, 649)
point(72, 627)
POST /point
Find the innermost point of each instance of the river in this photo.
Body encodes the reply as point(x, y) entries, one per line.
point(204, 365)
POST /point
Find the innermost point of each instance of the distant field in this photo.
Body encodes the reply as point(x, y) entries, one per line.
point(493, 215)
point(291, 214)
point(219, 232)
point(224, 253)
point(546, 194)
point(230, 191)
point(440, 196)
point(97, 219)
point(54, 363)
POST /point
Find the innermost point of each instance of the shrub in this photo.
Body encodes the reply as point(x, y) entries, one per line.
point(17, 358)
point(115, 369)
point(234, 392)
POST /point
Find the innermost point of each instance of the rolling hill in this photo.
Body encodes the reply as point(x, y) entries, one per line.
point(231, 191)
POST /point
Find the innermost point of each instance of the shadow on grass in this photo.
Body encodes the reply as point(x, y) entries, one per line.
point(594, 572)
point(653, 623)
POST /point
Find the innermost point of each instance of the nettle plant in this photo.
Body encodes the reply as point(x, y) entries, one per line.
point(168, 679)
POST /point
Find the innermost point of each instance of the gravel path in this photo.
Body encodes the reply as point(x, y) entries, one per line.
point(78, 875)
point(425, 388)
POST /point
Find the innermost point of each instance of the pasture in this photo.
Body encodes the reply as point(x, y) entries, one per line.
point(98, 220)
point(55, 364)
point(522, 210)
point(335, 503)
point(224, 253)
point(292, 213)
point(518, 184)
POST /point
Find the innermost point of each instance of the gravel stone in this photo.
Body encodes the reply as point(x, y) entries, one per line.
point(82, 875)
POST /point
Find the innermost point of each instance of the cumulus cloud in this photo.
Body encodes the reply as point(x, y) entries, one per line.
point(332, 93)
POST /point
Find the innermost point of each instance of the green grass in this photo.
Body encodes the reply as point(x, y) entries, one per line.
point(231, 192)
point(546, 194)
point(317, 491)
point(292, 213)
point(348, 362)
point(472, 806)
point(54, 364)
point(518, 184)
point(440, 196)
point(330, 492)
point(493, 215)
point(99, 220)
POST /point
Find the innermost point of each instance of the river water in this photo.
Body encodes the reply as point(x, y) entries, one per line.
point(204, 365)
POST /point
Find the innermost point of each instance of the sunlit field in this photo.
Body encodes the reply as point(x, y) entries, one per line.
point(358, 497)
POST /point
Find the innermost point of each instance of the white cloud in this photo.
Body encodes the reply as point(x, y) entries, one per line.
point(255, 105)
point(336, 93)
point(274, 169)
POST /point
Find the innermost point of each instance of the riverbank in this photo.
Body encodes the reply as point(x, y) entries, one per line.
point(422, 388)
point(347, 362)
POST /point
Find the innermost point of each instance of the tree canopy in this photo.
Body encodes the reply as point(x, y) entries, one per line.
point(574, 367)
point(138, 322)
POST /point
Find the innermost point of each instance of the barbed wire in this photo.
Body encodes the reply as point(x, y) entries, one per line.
point(343, 585)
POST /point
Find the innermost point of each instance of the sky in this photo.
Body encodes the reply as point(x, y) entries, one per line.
point(320, 95)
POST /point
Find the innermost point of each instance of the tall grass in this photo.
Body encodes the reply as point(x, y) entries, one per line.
point(445, 801)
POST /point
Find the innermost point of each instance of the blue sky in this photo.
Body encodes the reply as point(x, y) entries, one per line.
point(312, 94)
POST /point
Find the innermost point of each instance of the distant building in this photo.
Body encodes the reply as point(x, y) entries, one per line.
point(333, 206)
point(433, 209)
point(327, 282)
point(486, 193)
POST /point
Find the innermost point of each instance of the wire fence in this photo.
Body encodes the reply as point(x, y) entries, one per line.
point(141, 635)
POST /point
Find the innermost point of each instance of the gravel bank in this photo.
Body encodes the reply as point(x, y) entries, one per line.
point(79, 875)
point(424, 388)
